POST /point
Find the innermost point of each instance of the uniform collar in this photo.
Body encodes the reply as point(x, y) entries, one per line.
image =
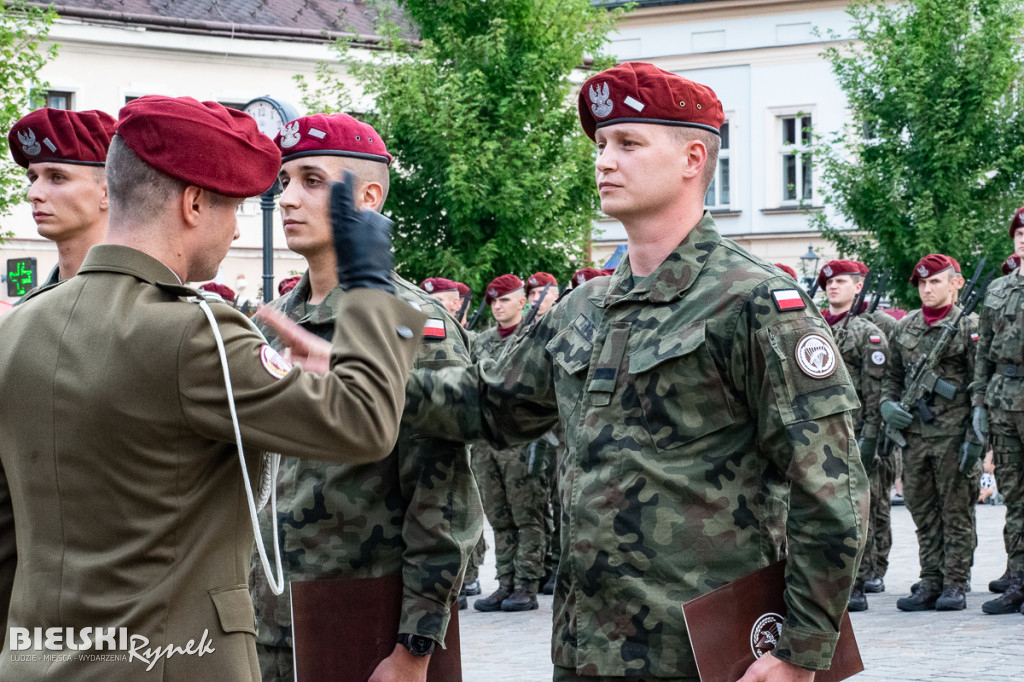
point(674, 276)
point(127, 261)
point(322, 313)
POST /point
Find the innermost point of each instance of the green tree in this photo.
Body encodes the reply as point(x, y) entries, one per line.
point(23, 30)
point(492, 173)
point(932, 158)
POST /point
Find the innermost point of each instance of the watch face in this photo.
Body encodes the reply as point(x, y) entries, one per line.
point(267, 117)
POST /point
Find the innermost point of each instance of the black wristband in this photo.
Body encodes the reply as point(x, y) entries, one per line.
point(417, 645)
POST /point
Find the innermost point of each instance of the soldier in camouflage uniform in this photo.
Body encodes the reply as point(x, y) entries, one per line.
point(864, 349)
point(997, 395)
point(939, 493)
point(417, 512)
point(690, 383)
point(511, 480)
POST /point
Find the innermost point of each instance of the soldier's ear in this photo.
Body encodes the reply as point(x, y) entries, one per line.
point(371, 196)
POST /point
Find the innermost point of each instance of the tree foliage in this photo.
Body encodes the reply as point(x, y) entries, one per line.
point(931, 160)
point(492, 173)
point(23, 29)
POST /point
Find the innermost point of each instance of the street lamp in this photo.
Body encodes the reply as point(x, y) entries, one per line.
point(810, 260)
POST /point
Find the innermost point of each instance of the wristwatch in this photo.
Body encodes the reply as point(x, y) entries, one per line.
point(417, 645)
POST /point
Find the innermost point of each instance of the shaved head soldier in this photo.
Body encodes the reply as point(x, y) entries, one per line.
point(126, 453)
point(63, 153)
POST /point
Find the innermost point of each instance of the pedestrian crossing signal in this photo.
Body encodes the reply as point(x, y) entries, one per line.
point(21, 276)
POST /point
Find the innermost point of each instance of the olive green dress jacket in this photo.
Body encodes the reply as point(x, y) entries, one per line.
point(122, 483)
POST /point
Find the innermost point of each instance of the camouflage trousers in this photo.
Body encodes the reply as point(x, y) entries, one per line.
point(554, 548)
point(881, 508)
point(941, 501)
point(569, 675)
point(1007, 435)
point(276, 663)
point(514, 492)
point(476, 557)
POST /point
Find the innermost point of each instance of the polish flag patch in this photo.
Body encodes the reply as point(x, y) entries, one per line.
point(975, 336)
point(788, 299)
point(875, 338)
point(434, 329)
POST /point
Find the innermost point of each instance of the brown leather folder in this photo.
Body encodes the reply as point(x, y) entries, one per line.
point(342, 628)
point(738, 623)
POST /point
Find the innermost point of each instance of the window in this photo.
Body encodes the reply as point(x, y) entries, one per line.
point(58, 99)
point(797, 179)
point(718, 194)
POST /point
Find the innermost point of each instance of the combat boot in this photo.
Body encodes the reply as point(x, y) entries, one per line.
point(953, 598)
point(1000, 584)
point(520, 600)
point(875, 585)
point(858, 600)
point(463, 602)
point(1010, 601)
point(493, 602)
point(549, 585)
point(922, 599)
point(471, 589)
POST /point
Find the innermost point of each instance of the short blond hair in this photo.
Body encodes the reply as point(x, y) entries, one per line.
point(712, 143)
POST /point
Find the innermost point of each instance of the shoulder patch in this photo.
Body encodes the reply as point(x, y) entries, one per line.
point(815, 356)
point(274, 362)
point(788, 299)
point(878, 357)
point(434, 329)
point(875, 338)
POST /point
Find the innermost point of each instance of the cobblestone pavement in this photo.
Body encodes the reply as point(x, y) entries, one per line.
point(901, 646)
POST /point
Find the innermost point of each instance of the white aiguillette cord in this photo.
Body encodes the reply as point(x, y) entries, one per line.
point(271, 465)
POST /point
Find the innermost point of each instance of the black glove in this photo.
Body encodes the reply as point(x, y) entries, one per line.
point(362, 241)
point(970, 455)
point(896, 416)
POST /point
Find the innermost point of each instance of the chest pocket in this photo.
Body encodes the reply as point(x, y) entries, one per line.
point(680, 391)
point(570, 351)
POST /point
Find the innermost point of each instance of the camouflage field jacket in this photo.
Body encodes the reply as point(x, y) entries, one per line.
point(417, 511)
point(864, 349)
point(1001, 343)
point(684, 400)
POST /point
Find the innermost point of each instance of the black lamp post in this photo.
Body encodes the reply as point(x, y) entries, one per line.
point(810, 260)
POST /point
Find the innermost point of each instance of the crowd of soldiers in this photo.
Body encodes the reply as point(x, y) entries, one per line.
point(639, 437)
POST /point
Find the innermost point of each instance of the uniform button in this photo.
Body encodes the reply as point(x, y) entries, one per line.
point(404, 332)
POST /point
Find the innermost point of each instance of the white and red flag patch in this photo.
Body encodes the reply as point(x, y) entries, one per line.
point(974, 336)
point(875, 338)
point(434, 329)
point(788, 299)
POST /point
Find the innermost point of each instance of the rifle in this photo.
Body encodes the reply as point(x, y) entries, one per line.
point(476, 316)
point(923, 380)
point(879, 290)
point(465, 305)
point(970, 285)
point(858, 300)
point(813, 290)
point(527, 321)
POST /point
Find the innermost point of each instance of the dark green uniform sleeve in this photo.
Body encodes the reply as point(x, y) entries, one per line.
point(983, 366)
point(801, 396)
point(349, 414)
point(874, 356)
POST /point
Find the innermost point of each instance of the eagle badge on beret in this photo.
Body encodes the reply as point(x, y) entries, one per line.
point(429, 286)
point(493, 292)
point(581, 278)
point(600, 102)
point(290, 135)
point(28, 142)
point(922, 270)
point(533, 282)
point(827, 270)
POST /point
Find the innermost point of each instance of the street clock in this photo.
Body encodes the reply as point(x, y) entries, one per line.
point(270, 114)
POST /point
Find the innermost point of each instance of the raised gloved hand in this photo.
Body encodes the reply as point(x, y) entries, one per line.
point(867, 450)
point(362, 241)
point(895, 416)
point(970, 455)
point(979, 420)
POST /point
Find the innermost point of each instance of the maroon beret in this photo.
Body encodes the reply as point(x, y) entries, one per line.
point(200, 143)
point(786, 269)
point(586, 274)
point(434, 285)
point(540, 279)
point(1011, 263)
point(834, 268)
point(287, 284)
point(80, 137)
point(331, 135)
point(1017, 222)
point(221, 290)
point(956, 264)
point(643, 93)
point(463, 289)
point(500, 286)
point(930, 265)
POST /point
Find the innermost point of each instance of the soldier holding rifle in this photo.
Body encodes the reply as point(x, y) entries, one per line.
point(924, 396)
